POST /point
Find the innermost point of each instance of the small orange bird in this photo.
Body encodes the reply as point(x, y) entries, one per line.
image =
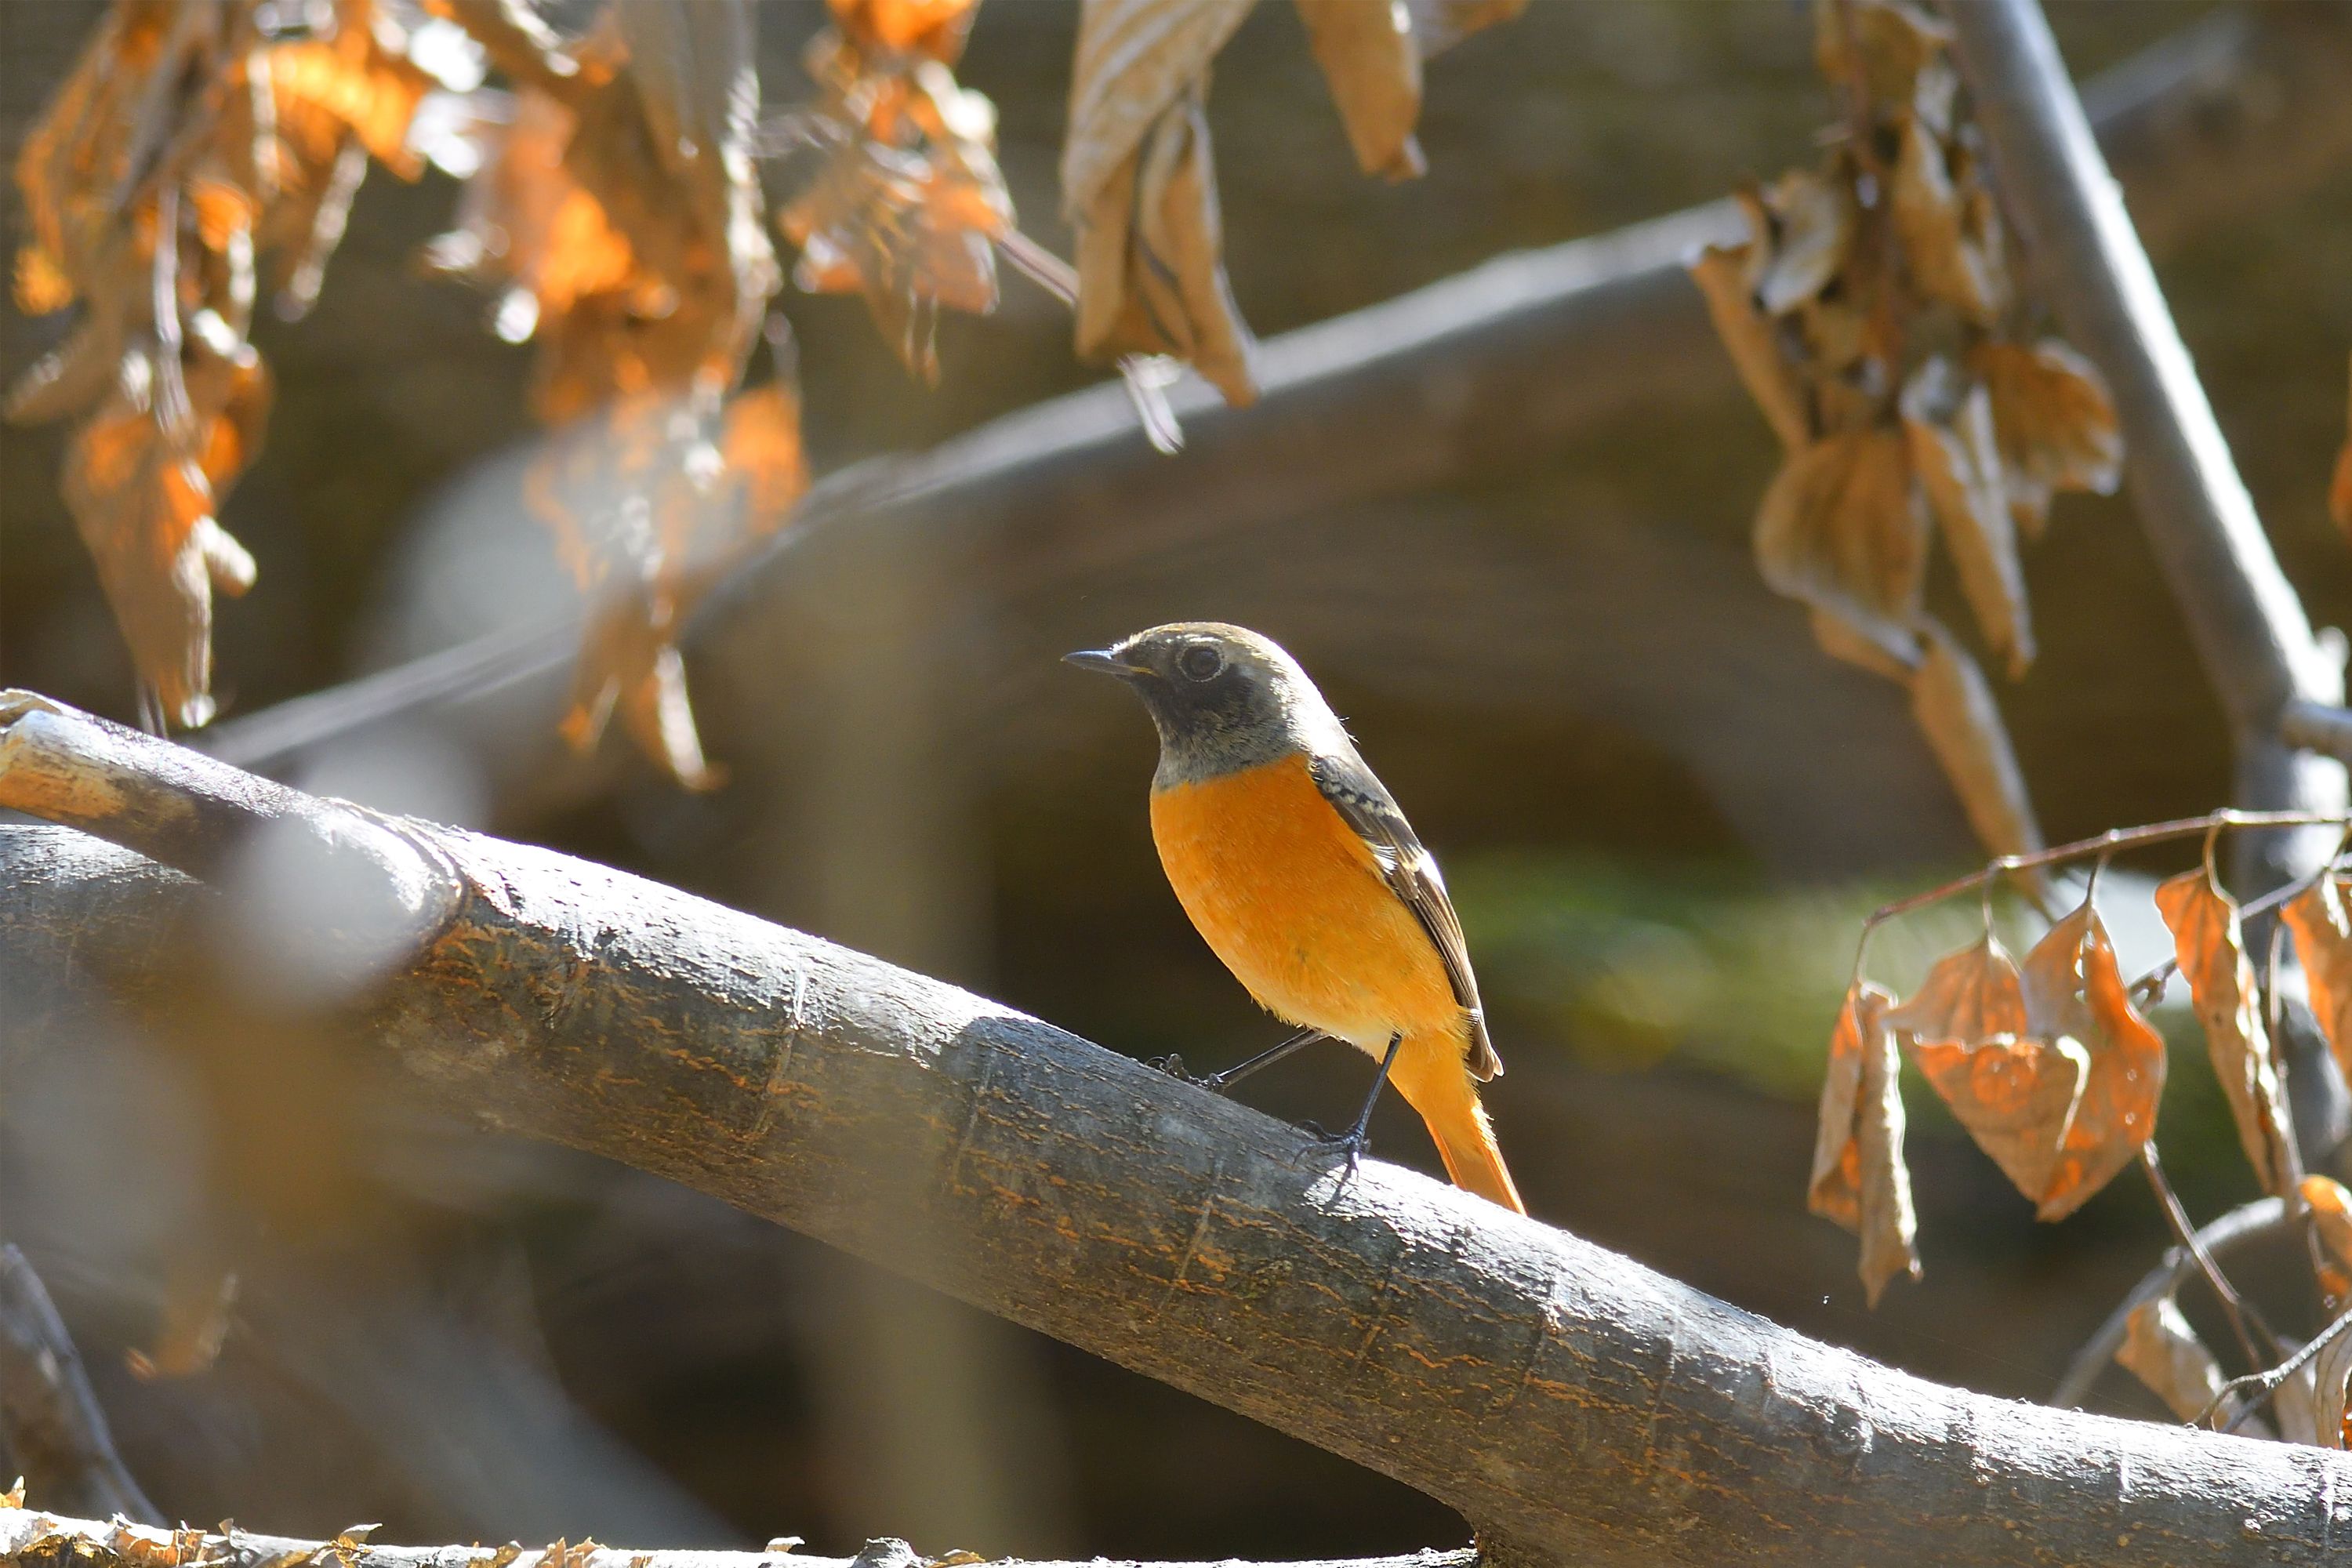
point(1303, 876)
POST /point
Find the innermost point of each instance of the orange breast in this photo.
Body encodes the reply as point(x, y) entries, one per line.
point(1290, 897)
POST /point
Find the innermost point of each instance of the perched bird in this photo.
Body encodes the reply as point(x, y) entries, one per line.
point(1298, 870)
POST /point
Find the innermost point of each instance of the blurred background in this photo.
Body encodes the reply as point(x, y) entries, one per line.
point(1662, 811)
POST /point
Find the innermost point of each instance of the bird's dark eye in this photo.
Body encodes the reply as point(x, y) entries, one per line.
point(1200, 662)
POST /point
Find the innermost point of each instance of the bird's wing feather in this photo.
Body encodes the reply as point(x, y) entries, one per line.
point(1367, 807)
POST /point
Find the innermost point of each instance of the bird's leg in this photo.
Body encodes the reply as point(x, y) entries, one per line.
point(1218, 1082)
point(1358, 1138)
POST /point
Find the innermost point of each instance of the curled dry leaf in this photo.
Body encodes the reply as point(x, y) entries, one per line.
point(1882, 43)
point(1370, 56)
point(2331, 1376)
point(1954, 708)
point(2016, 1095)
point(1801, 228)
point(1139, 187)
point(1752, 338)
point(1859, 1178)
point(2074, 990)
point(2211, 947)
point(2321, 921)
point(1842, 528)
point(2331, 1221)
point(1954, 450)
point(2163, 1352)
point(2055, 423)
point(908, 204)
point(1949, 226)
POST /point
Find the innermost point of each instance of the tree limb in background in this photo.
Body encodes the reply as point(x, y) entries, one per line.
point(49, 1420)
point(1566, 1399)
point(1544, 344)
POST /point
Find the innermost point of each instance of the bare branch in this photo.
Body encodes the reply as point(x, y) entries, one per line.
point(1571, 1402)
point(50, 1419)
point(1470, 375)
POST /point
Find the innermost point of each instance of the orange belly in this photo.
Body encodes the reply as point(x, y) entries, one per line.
point(1289, 895)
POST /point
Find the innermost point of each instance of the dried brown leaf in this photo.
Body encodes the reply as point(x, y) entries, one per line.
point(1884, 44)
point(1804, 226)
point(1371, 58)
point(2056, 424)
point(2163, 1352)
point(1967, 998)
point(1859, 1178)
point(1753, 340)
point(2074, 990)
point(144, 500)
point(1953, 706)
point(1139, 187)
point(1954, 451)
point(629, 661)
point(1842, 528)
point(2331, 1221)
point(1949, 227)
point(936, 29)
point(2331, 1376)
point(2321, 921)
point(2210, 948)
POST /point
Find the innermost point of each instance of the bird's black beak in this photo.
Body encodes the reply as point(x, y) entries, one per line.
point(1103, 661)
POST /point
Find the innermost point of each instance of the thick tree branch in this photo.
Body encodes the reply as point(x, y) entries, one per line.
point(1469, 375)
point(1562, 1397)
point(51, 1423)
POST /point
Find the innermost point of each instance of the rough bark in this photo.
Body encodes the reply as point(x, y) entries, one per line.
point(1470, 375)
point(1562, 1397)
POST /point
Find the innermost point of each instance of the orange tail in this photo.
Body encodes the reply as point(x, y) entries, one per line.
point(1435, 1080)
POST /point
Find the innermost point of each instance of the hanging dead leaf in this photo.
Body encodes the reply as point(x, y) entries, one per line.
point(2331, 1221)
point(145, 503)
point(1371, 58)
point(1753, 340)
point(1842, 528)
point(2340, 489)
point(1859, 1178)
point(936, 29)
point(629, 661)
point(2074, 990)
point(1801, 226)
point(1139, 186)
point(1882, 43)
point(2163, 1352)
point(1949, 227)
point(908, 205)
point(2056, 424)
point(2321, 923)
point(2210, 948)
point(1950, 426)
point(2016, 1097)
point(1954, 708)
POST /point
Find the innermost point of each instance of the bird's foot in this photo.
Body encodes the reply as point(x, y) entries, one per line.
point(1173, 1066)
point(1353, 1146)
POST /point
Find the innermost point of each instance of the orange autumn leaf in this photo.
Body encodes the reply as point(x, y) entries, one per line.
point(2016, 1095)
point(2321, 923)
point(1859, 1178)
point(932, 27)
point(2210, 948)
point(2331, 1221)
point(2074, 990)
point(629, 663)
point(760, 440)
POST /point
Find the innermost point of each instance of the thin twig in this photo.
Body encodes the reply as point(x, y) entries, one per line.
point(2253, 1222)
point(2233, 1305)
point(2263, 1385)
